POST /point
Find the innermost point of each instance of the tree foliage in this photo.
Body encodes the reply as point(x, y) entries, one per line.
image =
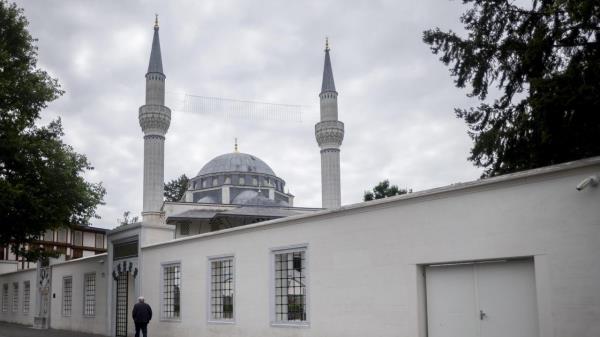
point(175, 189)
point(384, 190)
point(41, 186)
point(544, 60)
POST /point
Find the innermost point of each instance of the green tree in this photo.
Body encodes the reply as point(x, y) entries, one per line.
point(384, 190)
point(41, 183)
point(175, 189)
point(544, 60)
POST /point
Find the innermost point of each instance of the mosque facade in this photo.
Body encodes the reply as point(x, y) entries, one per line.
point(513, 255)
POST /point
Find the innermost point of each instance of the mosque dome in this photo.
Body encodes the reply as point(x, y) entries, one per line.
point(240, 179)
point(236, 162)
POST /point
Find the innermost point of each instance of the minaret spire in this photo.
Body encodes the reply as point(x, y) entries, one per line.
point(155, 119)
point(330, 134)
point(155, 65)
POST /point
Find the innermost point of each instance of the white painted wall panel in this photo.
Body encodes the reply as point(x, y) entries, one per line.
point(364, 262)
point(77, 269)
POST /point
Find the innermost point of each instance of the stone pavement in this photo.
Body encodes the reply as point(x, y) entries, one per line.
point(16, 330)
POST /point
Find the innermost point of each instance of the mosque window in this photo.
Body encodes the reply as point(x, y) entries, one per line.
point(89, 300)
point(227, 180)
point(67, 296)
point(5, 297)
point(171, 292)
point(242, 180)
point(221, 289)
point(26, 296)
point(290, 286)
point(255, 181)
point(204, 183)
point(215, 181)
point(15, 298)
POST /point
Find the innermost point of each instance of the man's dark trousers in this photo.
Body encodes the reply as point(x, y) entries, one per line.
point(143, 327)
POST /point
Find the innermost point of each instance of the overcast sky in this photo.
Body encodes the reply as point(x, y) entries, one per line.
point(395, 97)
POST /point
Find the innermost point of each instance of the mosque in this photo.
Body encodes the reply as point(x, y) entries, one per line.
point(512, 255)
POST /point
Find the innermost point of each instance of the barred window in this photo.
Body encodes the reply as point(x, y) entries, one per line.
point(15, 298)
point(89, 300)
point(171, 308)
point(5, 297)
point(221, 289)
point(26, 296)
point(290, 286)
point(67, 296)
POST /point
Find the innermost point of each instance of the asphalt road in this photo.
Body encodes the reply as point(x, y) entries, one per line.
point(16, 330)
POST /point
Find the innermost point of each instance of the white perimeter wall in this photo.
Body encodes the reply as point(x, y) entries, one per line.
point(19, 316)
point(77, 269)
point(365, 264)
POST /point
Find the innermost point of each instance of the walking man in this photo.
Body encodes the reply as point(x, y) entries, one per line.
point(142, 314)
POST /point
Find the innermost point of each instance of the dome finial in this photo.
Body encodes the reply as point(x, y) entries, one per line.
point(326, 43)
point(155, 20)
point(235, 147)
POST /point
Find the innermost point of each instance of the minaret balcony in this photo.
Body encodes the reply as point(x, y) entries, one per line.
point(329, 134)
point(155, 119)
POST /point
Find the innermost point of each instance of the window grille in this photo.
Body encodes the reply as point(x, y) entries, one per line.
point(26, 296)
point(290, 286)
point(67, 298)
point(221, 289)
point(171, 291)
point(5, 297)
point(89, 301)
point(15, 298)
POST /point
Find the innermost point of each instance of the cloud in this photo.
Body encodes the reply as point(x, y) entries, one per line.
point(396, 99)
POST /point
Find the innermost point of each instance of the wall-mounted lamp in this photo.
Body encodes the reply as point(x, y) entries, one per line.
point(589, 181)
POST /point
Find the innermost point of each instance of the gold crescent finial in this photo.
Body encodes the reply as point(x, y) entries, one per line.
point(326, 43)
point(156, 20)
point(235, 147)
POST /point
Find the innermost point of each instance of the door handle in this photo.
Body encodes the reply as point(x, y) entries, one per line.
point(482, 315)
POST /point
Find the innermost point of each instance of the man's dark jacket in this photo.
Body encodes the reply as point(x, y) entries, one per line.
point(141, 313)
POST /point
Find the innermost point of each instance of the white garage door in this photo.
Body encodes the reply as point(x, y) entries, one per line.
point(495, 299)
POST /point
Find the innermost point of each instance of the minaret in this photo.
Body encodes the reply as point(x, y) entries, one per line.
point(155, 119)
point(329, 133)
